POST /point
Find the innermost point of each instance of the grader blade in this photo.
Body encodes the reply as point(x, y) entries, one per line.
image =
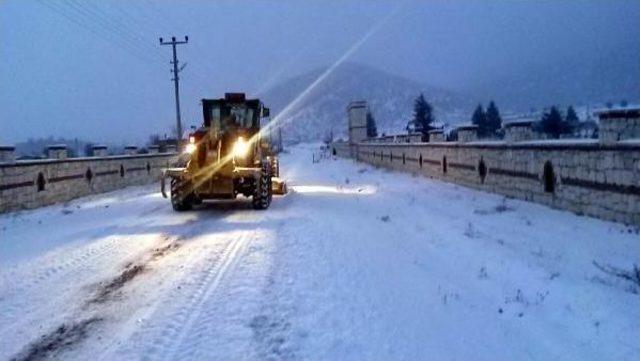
point(278, 186)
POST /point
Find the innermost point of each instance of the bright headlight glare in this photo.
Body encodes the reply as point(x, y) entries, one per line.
point(241, 148)
point(190, 148)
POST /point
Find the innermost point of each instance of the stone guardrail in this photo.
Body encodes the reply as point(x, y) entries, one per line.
point(30, 184)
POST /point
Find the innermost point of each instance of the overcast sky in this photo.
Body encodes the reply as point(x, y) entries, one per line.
point(94, 69)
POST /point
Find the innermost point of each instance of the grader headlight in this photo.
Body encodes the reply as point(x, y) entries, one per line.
point(241, 148)
point(191, 147)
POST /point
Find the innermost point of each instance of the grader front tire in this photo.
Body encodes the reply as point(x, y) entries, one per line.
point(262, 192)
point(180, 199)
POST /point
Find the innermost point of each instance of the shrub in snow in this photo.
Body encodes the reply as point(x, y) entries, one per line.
point(632, 275)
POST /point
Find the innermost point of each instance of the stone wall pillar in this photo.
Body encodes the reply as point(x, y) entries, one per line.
point(57, 151)
point(619, 124)
point(130, 150)
point(357, 114)
point(415, 138)
point(7, 154)
point(99, 150)
point(467, 133)
point(436, 135)
point(518, 131)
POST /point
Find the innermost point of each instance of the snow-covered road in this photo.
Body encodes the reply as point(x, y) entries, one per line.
point(356, 263)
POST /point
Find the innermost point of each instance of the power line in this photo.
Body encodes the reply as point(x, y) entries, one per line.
point(101, 33)
point(168, 24)
point(117, 32)
point(114, 19)
point(202, 64)
point(82, 15)
point(121, 26)
point(109, 26)
point(198, 79)
point(99, 24)
point(143, 22)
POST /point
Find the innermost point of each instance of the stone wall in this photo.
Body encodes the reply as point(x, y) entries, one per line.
point(342, 149)
point(518, 131)
point(35, 183)
point(99, 150)
point(467, 133)
point(436, 136)
point(596, 177)
point(7, 153)
point(619, 124)
point(585, 177)
point(58, 151)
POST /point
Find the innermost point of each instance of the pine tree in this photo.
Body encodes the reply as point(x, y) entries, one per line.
point(571, 121)
point(479, 117)
point(551, 122)
point(372, 130)
point(493, 120)
point(422, 116)
point(571, 117)
point(88, 150)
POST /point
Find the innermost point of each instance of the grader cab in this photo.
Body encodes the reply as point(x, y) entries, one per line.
point(227, 156)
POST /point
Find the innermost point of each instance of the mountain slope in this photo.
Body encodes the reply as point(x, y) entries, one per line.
point(323, 109)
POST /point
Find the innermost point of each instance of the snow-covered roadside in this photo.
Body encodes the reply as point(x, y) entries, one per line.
point(356, 263)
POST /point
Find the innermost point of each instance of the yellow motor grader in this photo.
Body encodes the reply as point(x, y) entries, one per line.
point(227, 156)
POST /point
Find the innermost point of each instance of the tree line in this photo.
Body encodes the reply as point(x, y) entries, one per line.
point(555, 124)
point(489, 121)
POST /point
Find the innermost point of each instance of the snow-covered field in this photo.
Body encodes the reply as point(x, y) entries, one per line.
point(354, 264)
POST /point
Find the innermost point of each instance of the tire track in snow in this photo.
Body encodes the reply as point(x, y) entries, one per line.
point(18, 316)
point(77, 259)
point(209, 285)
point(16, 306)
point(213, 314)
point(62, 337)
point(68, 260)
point(163, 340)
point(74, 330)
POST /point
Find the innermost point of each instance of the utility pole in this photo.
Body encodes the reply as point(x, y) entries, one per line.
point(176, 80)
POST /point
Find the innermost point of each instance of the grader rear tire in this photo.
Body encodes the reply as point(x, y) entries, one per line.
point(262, 192)
point(180, 200)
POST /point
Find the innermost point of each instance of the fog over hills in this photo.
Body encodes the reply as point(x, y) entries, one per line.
point(611, 75)
point(390, 98)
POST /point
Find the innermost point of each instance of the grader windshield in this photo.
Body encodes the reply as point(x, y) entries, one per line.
point(226, 117)
point(231, 113)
